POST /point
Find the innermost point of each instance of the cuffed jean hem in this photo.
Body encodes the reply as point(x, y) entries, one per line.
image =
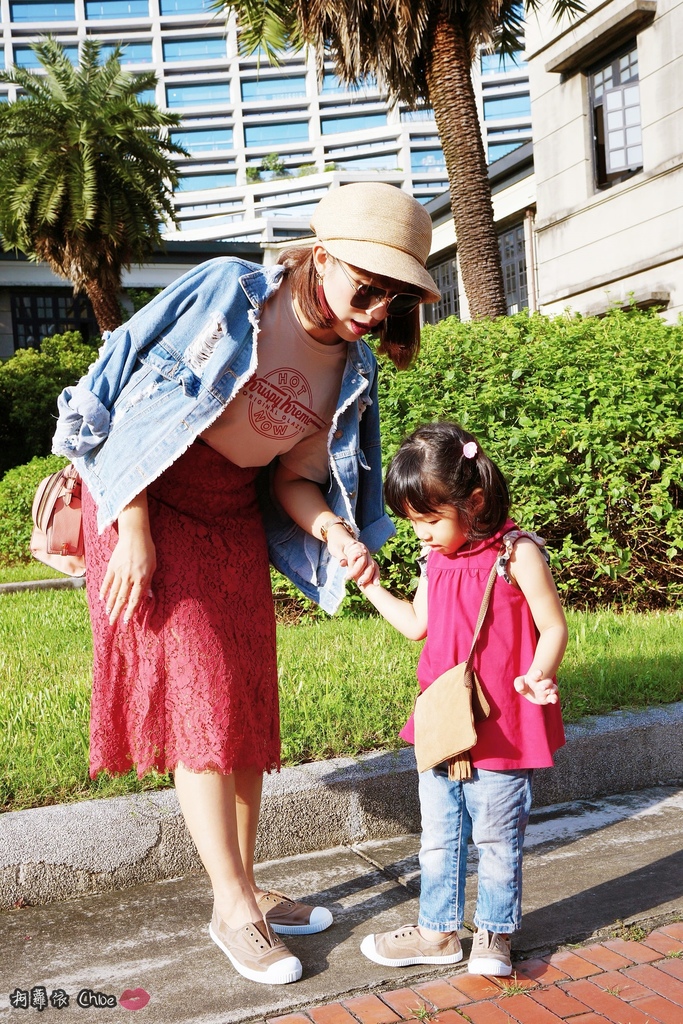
point(439, 926)
point(496, 928)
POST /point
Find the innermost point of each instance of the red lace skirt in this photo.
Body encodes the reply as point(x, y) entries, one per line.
point(192, 678)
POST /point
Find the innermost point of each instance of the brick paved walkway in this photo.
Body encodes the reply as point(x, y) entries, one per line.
point(616, 981)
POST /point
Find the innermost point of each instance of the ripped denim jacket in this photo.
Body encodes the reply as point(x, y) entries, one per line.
point(166, 374)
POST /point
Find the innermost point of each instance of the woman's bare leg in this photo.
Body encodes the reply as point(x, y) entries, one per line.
point(209, 804)
point(248, 788)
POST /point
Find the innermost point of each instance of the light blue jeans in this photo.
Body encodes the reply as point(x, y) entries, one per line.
point(493, 810)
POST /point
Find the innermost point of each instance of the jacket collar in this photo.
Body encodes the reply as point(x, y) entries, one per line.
point(259, 284)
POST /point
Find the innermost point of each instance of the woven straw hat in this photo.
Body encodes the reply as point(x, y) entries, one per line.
point(380, 229)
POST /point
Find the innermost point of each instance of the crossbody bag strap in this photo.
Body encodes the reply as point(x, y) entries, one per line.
point(485, 601)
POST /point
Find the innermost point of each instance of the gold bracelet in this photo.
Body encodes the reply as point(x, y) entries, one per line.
point(336, 521)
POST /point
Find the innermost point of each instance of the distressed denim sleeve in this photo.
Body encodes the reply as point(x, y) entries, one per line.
point(84, 409)
point(83, 422)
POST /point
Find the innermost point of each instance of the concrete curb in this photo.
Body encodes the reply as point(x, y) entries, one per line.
point(69, 850)
point(65, 583)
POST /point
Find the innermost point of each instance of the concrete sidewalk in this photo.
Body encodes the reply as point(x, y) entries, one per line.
point(56, 853)
point(589, 865)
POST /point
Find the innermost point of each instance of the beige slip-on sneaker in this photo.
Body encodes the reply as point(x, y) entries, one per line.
point(287, 917)
point(490, 954)
point(256, 952)
point(407, 946)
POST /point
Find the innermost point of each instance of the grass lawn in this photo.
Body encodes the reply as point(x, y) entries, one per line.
point(346, 685)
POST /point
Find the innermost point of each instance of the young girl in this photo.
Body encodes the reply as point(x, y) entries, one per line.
point(233, 368)
point(457, 500)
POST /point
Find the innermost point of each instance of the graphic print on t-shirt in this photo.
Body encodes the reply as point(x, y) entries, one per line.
point(280, 404)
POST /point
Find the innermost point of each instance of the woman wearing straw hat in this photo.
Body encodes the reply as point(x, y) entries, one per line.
point(234, 376)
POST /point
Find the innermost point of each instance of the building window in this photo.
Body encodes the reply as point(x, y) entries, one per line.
point(513, 259)
point(185, 6)
point(497, 150)
point(518, 105)
point(131, 53)
point(273, 88)
point(195, 182)
point(26, 57)
point(204, 141)
point(206, 94)
point(40, 314)
point(104, 9)
point(387, 162)
point(501, 63)
point(55, 11)
point(423, 114)
point(275, 134)
point(427, 160)
point(446, 277)
point(333, 85)
point(332, 125)
point(207, 48)
point(615, 103)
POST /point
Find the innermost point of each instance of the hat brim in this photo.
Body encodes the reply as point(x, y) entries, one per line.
point(385, 261)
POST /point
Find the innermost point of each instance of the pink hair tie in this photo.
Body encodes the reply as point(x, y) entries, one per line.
point(469, 450)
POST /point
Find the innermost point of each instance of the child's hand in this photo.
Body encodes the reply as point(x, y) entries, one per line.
point(373, 581)
point(536, 688)
point(359, 563)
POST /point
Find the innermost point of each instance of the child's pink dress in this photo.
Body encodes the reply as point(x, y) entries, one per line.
point(517, 733)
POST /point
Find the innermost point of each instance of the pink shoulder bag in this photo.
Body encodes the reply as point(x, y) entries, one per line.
point(57, 537)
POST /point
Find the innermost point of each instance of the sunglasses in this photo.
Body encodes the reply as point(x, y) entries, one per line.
point(367, 296)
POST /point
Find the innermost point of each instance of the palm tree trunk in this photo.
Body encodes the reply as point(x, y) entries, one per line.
point(451, 93)
point(105, 306)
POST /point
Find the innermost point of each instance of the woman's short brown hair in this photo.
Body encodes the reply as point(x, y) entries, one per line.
point(399, 336)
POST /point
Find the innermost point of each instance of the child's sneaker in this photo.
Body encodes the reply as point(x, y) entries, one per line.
point(490, 954)
point(407, 946)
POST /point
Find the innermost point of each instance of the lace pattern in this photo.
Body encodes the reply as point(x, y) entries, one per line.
point(192, 678)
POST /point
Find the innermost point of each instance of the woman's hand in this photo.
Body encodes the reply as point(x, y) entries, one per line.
point(353, 554)
point(303, 501)
point(128, 578)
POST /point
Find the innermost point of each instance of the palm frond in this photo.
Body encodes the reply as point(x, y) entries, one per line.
point(86, 170)
point(267, 25)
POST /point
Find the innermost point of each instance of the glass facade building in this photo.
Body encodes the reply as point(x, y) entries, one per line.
point(260, 138)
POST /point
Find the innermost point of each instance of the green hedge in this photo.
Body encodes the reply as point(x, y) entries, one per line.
point(585, 418)
point(17, 489)
point(30, 382)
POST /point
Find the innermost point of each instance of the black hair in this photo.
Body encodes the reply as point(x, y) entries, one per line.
point(430, 471)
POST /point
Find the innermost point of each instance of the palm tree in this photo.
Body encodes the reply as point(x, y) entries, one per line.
point(85, 171)
point(420, 52)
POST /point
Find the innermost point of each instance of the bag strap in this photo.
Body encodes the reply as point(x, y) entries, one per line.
point(485, 601)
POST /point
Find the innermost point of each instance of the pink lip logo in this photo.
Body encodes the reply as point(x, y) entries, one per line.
point(134, 999)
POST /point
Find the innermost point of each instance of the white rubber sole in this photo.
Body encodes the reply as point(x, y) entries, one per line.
point(485, 965)
point(319, 920)
point(283, 972)
point(367, 947)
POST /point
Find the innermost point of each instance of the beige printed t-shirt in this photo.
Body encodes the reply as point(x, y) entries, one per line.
point(286, 408)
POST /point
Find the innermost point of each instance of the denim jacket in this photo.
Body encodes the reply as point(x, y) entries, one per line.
point(166, 374)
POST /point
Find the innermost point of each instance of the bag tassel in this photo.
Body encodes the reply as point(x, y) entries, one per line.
point(460, 768)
